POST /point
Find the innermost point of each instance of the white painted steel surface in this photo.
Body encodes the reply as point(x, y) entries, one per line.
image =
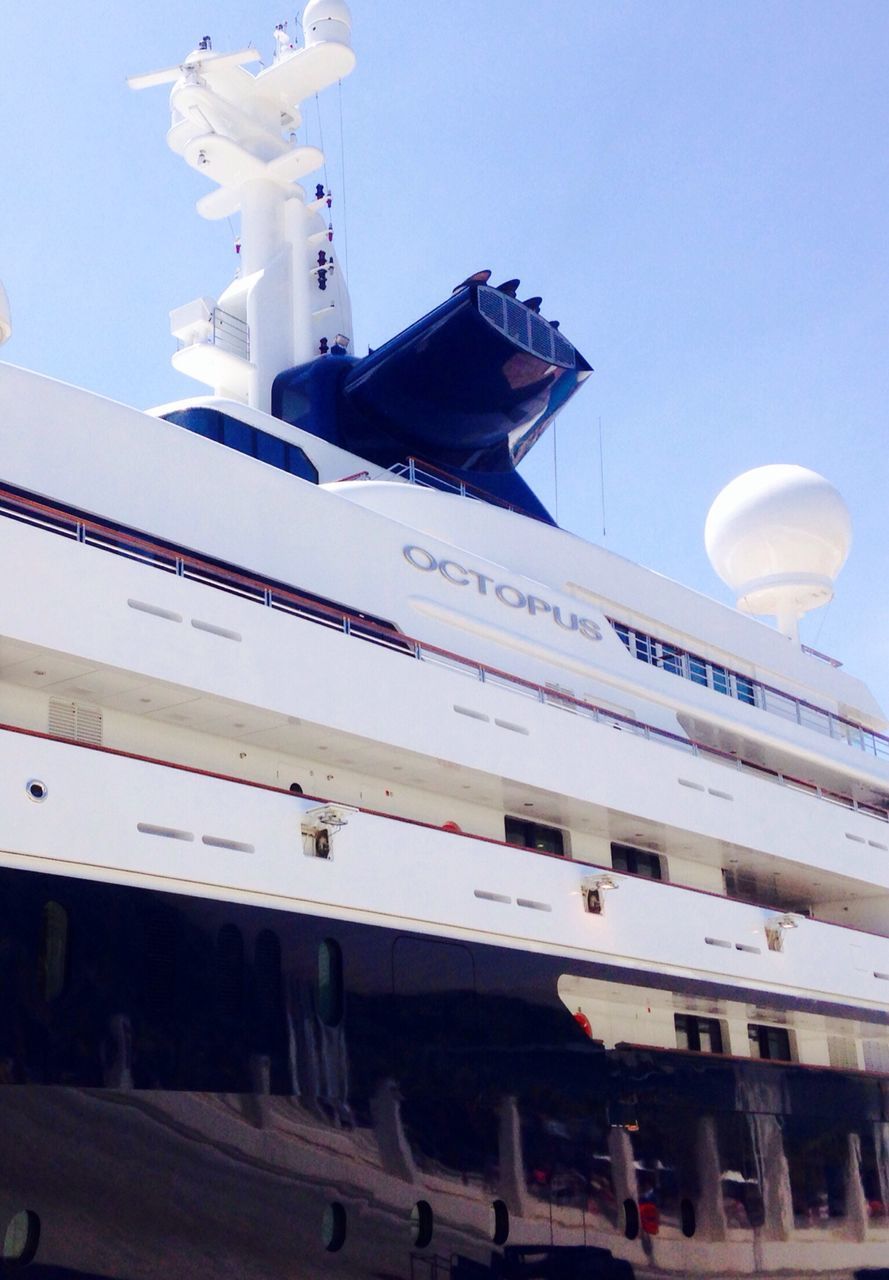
point(386, 871)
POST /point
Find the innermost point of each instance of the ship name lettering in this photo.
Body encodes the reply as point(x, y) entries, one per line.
point(459, 576)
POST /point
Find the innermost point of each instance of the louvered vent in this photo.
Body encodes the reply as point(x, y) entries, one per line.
point(843, 1053)
point(525, 327)
point(876, 1056)
point(75, 721)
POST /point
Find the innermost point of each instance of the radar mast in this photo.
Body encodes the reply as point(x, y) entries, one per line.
point(288, 301)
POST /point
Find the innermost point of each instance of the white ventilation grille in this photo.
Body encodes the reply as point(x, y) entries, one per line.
point(75, 721)
point(876, 1055)
point(843, 1053)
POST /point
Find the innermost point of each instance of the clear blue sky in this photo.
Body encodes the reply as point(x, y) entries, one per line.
point(698, 188)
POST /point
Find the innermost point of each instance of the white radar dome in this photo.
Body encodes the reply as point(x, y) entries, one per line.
point(779, 536)
point(327, 20)
point(5, 316)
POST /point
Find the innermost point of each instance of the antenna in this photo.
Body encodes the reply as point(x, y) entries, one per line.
point(288, 301)
point(602, 475)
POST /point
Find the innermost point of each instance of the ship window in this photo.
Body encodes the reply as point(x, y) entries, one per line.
point(237, 435)
point(422, 1223)
point(298, 464)
point(268, 988)
point(637, 862)
point(500, 1222)
point(230, 971)
point(697, 669)
point(769, 1042)
point(203, 422)
point(330, 982)
point(333, 1227)
point(22, 1238)
point(644, 648)
point(720, 679)
point(671, 659)
point(534, 835)
point(53, 950)
point(702, 1035)
point(687, 1217)
point(677, 661)
point(745, 690)
point(271, 449)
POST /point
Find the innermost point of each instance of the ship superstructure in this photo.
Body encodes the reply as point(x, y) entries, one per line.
point(395, 884)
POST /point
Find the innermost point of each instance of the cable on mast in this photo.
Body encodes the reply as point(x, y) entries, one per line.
point(339, 88)
point(556, 469)
point(602, 475)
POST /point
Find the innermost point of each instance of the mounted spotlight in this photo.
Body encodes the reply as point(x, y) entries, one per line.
point(776, 930)
point(594, 889)
point(320, 825)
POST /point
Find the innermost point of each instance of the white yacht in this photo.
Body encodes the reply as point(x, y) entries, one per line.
point(395, 885)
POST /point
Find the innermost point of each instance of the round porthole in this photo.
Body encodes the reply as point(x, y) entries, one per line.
point(333, 1227)
point(422, 1224)
point(22, 1238)
point(36, 789)
point(499, 1222)
point(631, 1219)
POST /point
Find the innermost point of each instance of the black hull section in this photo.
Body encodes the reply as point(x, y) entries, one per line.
point(203, 1088)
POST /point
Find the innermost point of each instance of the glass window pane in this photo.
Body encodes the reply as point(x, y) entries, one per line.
point(330, 982)
point(237, 435)
point(697, 669)
point(720, 679)
point(271, 450)
point(298, 464)
point(54, 950)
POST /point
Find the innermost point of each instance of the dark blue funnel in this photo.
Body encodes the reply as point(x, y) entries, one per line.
point(469, 389)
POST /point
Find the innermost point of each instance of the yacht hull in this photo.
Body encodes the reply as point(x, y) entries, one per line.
point(203, 1087)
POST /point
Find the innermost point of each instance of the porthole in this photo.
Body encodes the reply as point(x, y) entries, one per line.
point(36, 790)
point(422, 1222)
point(631, 1219)
point(499, 1222)
point(687, 1217)
point(333, 1227)
point(22, 1238)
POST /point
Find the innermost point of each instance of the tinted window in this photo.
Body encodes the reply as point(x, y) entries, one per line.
point(237, 435)
point(769, 1042)
point(299, 465)
point(271, 450)
point(53, 950)
point(245, 439)
point(636, 862)
point(330, 982)
point(702, 1035)
point(534, 835)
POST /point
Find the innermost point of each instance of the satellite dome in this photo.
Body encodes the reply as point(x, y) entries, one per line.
point(778, 536)
point(5, 317)
point(327, 20)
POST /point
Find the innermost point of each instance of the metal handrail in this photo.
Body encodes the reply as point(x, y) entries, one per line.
point(95, 533)
point(429, 476)
point(230, 333)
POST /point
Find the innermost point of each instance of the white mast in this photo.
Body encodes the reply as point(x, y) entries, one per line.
point(289, 300)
